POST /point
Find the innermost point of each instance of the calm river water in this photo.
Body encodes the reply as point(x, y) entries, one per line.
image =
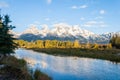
point(70, 68)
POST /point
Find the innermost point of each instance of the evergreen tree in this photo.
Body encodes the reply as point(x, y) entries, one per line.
point(7, 45)
point(112, 40)
point(115, 41)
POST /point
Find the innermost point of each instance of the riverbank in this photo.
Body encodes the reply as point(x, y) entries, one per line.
point(106, 54)
point(16, 69)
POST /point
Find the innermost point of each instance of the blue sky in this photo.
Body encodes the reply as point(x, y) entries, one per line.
point(98, 16)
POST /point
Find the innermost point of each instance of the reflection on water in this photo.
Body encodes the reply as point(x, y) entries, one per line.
point(70, 68)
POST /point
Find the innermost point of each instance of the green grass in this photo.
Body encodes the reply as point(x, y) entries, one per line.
point(106, 54)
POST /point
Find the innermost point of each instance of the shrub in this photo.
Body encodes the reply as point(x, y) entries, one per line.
point(38, 75)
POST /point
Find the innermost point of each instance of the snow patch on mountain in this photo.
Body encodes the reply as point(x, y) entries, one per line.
point(64, 31)
point(59, 30)
point(31, 30)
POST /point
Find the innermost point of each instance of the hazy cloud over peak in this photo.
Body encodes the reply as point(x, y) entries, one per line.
point(83, 6)
point(95, 24)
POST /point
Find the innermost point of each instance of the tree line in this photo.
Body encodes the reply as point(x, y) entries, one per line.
point(60, 44)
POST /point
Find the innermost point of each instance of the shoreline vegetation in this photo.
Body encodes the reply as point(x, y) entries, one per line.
point(109, 54)
point(16, 69)
point(12, 68)
point(108, 51)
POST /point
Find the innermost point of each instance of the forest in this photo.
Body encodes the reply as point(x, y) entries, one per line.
point(61, 44)
point(108, 51)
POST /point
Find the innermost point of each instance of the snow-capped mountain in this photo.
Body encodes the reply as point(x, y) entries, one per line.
point(32, 30)
point(64, 32)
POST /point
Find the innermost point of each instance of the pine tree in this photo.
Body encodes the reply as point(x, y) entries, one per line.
point(112, 40)
point(7, 45)
point(115, 41)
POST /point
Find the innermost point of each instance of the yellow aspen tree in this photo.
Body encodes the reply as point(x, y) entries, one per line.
point(76, 44)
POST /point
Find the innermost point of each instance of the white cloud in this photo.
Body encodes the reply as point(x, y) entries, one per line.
point(95, 24)
point(102, 11)
point(79, 7)
point(3, 4)
point(99, 17)
point(47, 19)
point(49, 1)
point(83, 6)
point(82, 18)
point(74, 7)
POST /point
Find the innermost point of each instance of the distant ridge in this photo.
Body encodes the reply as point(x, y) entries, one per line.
point(63, 32)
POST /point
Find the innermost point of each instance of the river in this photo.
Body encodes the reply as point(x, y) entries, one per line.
point(70, 68)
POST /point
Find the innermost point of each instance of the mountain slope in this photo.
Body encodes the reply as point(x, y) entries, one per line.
point(64, 32)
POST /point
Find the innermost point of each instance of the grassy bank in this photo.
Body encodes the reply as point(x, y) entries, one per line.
point(12, 68)
point(106, 54)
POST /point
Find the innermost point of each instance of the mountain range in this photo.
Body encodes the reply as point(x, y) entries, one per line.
point(63, 32)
